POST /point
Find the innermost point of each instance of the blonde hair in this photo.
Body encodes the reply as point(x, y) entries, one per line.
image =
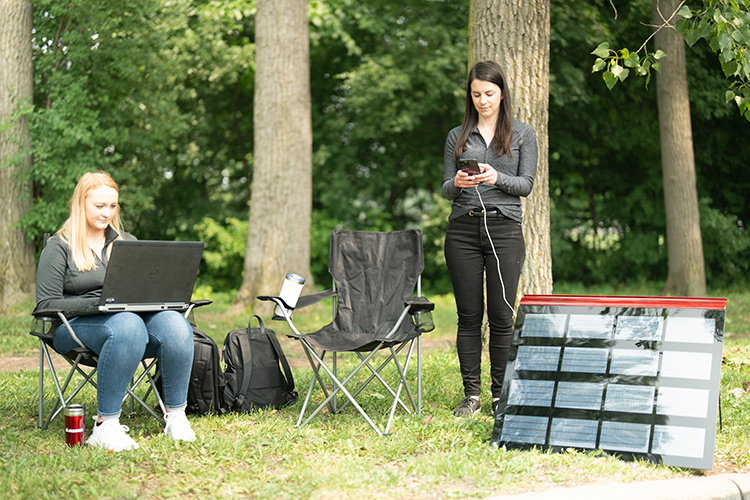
point(73, 230)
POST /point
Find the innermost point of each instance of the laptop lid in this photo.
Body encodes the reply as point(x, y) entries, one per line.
point(149, 275)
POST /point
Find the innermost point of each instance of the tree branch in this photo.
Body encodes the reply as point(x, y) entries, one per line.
point(612, 3)
point(666, 24)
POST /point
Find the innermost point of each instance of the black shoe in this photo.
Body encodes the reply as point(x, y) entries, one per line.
point(468, 407)
point(495, 404)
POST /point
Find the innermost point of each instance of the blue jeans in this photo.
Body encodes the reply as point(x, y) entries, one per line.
point(469, 257)
point(121, 340)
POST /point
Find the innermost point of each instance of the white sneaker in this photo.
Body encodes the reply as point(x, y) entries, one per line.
point(178, 427)
point(110, 435)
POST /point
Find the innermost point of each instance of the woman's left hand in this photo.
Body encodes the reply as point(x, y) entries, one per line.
point(488, 175)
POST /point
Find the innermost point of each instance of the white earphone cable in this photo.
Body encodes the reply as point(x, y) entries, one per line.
point(497, 259)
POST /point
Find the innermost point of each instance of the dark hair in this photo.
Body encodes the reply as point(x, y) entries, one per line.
point(488, 71)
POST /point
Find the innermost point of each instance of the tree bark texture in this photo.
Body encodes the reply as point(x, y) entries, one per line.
point(281, 192)
point(515, 34)
point(684, 246)
point(17, 270)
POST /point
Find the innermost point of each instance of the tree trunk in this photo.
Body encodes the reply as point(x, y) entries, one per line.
point(515, 34)
point(17, 268)
point(281, 193)
point(684, 246)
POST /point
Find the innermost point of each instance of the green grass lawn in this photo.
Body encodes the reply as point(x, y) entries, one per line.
point(261, 455)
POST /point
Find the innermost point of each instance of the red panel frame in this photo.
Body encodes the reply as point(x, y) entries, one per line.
point(625, 301)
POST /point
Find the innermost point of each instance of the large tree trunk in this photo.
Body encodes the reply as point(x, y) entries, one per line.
point(515, 34)
point(281, 198)
point(684, 246)
point(17, 268)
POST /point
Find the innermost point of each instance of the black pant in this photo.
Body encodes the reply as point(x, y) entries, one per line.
point(469, 255)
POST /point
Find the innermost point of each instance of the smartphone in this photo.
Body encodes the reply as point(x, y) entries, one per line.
point(469, 166)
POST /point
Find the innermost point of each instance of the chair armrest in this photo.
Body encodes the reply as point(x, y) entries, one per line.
point(45, 316)
point(201, 302)
point(419, 304)
point(303, 301)
point(46, 313)
point(314, 298)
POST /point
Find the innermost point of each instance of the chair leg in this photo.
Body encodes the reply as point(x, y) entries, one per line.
point(42, 347)
point(62, 401)
point(316, 378)
point(339, 386)
point(402, 384)
point(88, 378)
point(146, 374)
point(402, 368)
point(376, 374)
point(334, 399)
point(152, 387)
point(419, 375)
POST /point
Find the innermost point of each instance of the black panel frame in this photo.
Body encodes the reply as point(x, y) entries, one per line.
point(687, 429)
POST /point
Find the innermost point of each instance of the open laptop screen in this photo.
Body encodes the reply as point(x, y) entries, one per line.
point(149, 275)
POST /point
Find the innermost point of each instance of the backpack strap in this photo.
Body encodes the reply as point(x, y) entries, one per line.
point(280, 354)
point(246, 355)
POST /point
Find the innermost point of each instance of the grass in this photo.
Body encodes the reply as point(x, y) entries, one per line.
point(261, 455)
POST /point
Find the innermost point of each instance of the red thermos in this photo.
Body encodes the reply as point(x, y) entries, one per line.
point(74, 424)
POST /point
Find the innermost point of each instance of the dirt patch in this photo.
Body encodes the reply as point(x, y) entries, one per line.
point(18, 363)
point(293, 353)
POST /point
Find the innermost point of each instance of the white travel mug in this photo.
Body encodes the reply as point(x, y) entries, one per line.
point(290, 292)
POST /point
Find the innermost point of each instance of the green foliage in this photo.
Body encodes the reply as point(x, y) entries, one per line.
point(387, 82)
point(160, 93)
point(726, 245)
point(607, 216)
point(618, 64)
point(434, 225)
point(100, 97)
point(725, 26)
point(224, 252)
point(113, 92)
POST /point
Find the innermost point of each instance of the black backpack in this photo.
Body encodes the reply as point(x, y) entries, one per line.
point(252, 374)
point(206, 387)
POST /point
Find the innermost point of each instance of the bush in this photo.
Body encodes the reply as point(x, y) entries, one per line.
point(726, 245)
point(434, 224)
point(224, 253)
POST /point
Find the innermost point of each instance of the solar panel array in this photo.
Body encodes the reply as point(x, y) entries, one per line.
point(637, 377)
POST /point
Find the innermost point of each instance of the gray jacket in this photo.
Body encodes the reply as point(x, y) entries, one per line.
point(515, 174)
point(59, 283)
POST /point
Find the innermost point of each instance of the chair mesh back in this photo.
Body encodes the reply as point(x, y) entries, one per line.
point(374, 273)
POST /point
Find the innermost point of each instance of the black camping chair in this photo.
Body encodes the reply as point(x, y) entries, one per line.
point(83, 361)
point(375, 276)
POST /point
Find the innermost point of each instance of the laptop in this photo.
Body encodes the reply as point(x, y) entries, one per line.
point(148, 276)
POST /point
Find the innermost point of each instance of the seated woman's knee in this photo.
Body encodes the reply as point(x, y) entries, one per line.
point(171, 325)
point(128, 327)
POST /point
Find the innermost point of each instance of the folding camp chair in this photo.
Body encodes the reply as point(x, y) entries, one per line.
point(375, 276)
point(83, 362)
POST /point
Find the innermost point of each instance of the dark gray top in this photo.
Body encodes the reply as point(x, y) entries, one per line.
point(59, 283)
point(515, 174)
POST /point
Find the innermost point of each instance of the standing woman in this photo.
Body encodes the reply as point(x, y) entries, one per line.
point(70, 276)
point(484, 238)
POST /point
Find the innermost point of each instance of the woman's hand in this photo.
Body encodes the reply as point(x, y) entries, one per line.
point(464, 180)
point(488, 175)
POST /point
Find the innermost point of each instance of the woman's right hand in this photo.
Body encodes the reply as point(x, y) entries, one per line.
point(464, 180)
